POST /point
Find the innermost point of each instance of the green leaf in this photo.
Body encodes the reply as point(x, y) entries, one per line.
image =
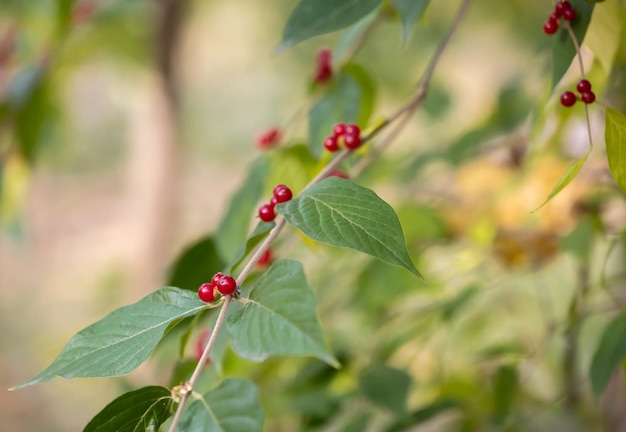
point(233, 228)
point(425, 413)
point(563, 49)
point(340, 213)
point(615, 137)
point(195, 265)
point(604, 36)
point(279, 317)
point(260, 232)
point(145, 409)
point(569, 175)
point(233, 406)
point(312, 18)
point(345, 44)
point(342, 103)
point(367, 90)
point(505, 388)
point(293, 165)
point(410, 11)
point(386, 387)
point(609, 354)
point(121, 341)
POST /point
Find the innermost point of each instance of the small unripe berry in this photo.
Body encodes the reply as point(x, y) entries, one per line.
point(206, 292)
point(550, 27)
point(569, 14)
point(227, 285)
point(588, 97)
point(282, 193)
point(352, 141)
point(267, 213)
point(583, 86)
point(331, 144)
point(568, 99)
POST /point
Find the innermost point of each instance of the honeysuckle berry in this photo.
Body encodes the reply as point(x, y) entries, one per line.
point(353, 129)
point(266, 259)
point(339, 130)
point(569, 14)
point(562, 6)
point(331, 144)
point(216, 278)
point(337, 173)
point(282, 193)
point(583, 86)
point(352, 141)
point(568, 99)
point(269, 138)
point(206, 292)
point(550, 27)
point(323, 71)
point(267, 213)
point(203, 339)
point(588, 97)
point(227, 285)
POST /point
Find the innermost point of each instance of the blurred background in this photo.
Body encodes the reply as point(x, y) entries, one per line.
point(125, 126)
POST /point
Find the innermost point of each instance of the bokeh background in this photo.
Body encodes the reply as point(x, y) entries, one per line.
point(146, 122)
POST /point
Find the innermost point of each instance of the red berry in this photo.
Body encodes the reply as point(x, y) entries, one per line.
point(268, 139)
point(583, 86)
point(568, 99)
point(206, 293)
point(203, 339)
point(550, 27)
point(227, 285)
point(353, 129)
point(330, 144)
point(562, 6)
point(352, 141)
point(337, 173)
point(339, 130)
point(266, 258)
point(553, 17)
point(323, 71)
point(282, 193)
point(267, 213)
point(588, 97)
point(216, 278)
point(569, 14)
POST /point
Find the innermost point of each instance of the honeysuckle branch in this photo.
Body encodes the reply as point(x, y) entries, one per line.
point(400, 118)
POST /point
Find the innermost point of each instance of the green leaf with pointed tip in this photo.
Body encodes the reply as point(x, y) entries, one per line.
point(410, 11)
point(195, 265)
point(121, 341)
point(609, 354)
point(386, 387)
point(312, 18)
point(233, 406)
point(233, 228)
point(279, 317)
point(563, 49)
point(341, 213)
point(145, 409)
point(569, 175)
point(604, 36)
point(615, 137)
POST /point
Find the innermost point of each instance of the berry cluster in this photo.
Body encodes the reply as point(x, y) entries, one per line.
point(220, 284)
point(323, 67)
point(562, 9)
point(348, 134)
point(281, 194)
point(269, 138)
point(568, 98)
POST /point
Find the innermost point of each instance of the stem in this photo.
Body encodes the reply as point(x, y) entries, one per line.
point(407, 109)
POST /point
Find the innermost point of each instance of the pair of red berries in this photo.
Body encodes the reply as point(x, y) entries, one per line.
point(562, 9)
point(348, 134)
point(323, 67)
point(220, 284)
point(568, 98)
point(281, 194)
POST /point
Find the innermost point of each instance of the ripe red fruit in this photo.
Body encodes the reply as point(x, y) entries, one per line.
point(267, 213)
point(337, 173)
point(323, 71)
point(568, 99)
point(562, 6)
point(583, 86)
point(588, 97)
point(227, 285)
point(352, 141)
point(339, 130)
point(353, 129)
point(331, 144)
point(569, 14)
point(550, 26)
point(203, 339)
point(282, 193)
point(216, 278)
point(206, 292)
point(268, 139)
point(266, 259)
